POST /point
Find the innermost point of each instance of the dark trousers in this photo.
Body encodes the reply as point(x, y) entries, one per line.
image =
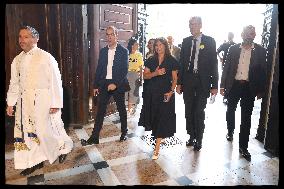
point(240, 90)
point(103, 99)
point(194, 109)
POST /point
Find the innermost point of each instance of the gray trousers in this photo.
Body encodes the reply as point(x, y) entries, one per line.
point(132, 77)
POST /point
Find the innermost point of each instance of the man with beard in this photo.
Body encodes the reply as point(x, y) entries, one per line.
point(243, 77)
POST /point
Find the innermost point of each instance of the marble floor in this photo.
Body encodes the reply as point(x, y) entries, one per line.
point(111, 162)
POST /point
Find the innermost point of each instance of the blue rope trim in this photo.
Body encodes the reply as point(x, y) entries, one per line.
point(18, 139)
point(32, 135)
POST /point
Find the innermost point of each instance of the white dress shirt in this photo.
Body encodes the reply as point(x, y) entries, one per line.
point(111, 53)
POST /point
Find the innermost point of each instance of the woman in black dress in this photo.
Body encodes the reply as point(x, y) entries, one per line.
point(158, 110)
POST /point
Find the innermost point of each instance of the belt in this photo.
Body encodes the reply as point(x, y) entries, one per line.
point(242, 81)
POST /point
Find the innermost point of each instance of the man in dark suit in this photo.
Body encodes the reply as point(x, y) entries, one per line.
point(224, 48)
point(243, 77)
point(175, 51)
point(197, 78)
point(110, 80)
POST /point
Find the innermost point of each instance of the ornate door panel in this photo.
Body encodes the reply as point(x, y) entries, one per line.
point(124, 18)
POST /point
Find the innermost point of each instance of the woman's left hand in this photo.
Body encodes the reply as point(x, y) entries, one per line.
point(168, 96)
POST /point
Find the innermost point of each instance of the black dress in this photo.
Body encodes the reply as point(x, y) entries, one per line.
point(157, 115)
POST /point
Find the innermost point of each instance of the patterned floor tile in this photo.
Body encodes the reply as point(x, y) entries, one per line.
point(112, 163)
point(10, 172)
point(71, 133)
point(100, 165)
point(77, 157)
point(142, 172)
point(108, 130)
point(184, 181)
point(116, 149)
point(19, 181)
point(268, 170)
point(37, 179)
point(88, 178)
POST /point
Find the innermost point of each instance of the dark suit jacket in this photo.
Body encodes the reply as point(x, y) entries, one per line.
point(207, 65)
point(119, 69)
point(225, 47)
point(176, 52)
point(257, 69)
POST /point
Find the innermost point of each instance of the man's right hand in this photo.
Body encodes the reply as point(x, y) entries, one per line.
point(222, 91)
point(178, 89)
point(96, 92)
point(10, 110)
point(111, 87)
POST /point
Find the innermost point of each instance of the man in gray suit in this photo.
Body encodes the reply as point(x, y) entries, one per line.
point(175, 51)
point(243, 77)
point(198, 78)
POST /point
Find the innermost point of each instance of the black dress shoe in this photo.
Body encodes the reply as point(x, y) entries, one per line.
point(31, 170)
point(197, 146)
point(90, 141)
point(190, 142)
point(229, 137)
point(123, 137)
point(62, 158)
point(245, 154)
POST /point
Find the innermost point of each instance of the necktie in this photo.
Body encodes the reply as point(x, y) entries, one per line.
point(192, 56)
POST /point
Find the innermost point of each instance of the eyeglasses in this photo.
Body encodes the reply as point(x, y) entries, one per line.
point(109, 34)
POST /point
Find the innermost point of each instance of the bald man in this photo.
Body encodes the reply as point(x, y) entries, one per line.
point(243, 79)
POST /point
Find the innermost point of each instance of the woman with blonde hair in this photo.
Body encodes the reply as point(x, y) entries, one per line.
point(134, 74)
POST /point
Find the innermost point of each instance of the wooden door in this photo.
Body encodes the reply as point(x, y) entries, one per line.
point(15, 16)
point(73, 34)
point(73, 20)
point(124, 18)
point(63, 33)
